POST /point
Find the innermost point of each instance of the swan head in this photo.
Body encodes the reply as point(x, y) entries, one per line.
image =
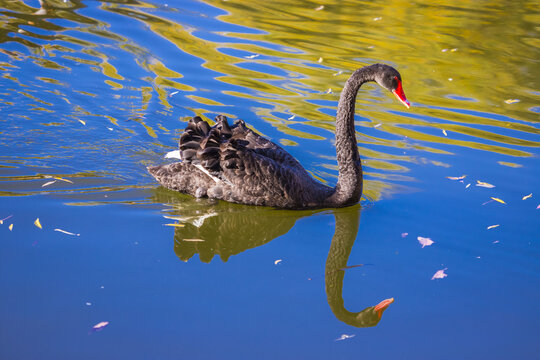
point(390, 79)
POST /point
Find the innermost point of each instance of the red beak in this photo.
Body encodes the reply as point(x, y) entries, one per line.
point(383, 305)
point(400, 94)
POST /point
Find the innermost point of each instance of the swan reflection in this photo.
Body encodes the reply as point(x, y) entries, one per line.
point(213, 228)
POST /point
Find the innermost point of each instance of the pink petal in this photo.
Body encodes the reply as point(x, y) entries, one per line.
point(425, 241)
point(439, 274)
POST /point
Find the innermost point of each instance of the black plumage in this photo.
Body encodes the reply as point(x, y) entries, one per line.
point(234, 163)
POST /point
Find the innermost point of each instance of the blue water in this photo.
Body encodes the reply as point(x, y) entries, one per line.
point(257, 282)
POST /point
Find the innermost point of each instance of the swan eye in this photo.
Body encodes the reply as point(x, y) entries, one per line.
point(395, 83)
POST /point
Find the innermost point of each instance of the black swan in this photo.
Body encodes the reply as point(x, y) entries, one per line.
point(234, 163)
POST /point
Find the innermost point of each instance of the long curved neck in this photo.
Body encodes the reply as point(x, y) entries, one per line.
point(349, 186)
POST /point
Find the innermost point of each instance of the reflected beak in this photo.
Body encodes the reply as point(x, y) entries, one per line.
point(401, 95)
point(383, 305)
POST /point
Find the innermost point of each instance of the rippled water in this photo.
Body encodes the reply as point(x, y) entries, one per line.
point(93, 92)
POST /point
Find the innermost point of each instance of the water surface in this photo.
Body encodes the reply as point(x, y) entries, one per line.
point(92, 92)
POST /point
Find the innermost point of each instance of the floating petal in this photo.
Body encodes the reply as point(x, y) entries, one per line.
point(404, 235)
point(67, 232)
point(439, 274)
point(498, 200)
point(492, 226)
point(100, 325)
point(277, 261)
point(37, 223)
point(2, 220)
point(10, 227)
point(48, 183)
point(526, 197)
point(425, 241)
point(484, 184)
point(345, 337)
point(456, 177)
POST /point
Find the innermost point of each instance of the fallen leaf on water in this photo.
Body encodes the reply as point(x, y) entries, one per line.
point(173, 93)
point(277, 261)
point(62, 179)
point(444, 132)
point(2, 221)
point(484, 184)
point(456, 177)
point(538, 207)
point(37, 223)
point(526, 197)
point(319, 8)
point(252, 56)
point(345, 337)
point(511, 101)
point(82, 122)
point(492, 226)
point(193, 240)
point(177, 225)
point(425, 241)
point(499, 200)
point(439, 274)
point(10, 227)
point(48, 183)
point(292, 117)
point(404, 234)
point(100, 326)
point(496, 242)
point(469, 184)
point(67, 232)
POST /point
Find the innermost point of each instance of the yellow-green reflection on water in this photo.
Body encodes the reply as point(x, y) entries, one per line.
point(287, 61)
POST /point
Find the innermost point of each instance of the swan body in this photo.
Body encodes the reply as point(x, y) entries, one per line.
point(235, 164)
